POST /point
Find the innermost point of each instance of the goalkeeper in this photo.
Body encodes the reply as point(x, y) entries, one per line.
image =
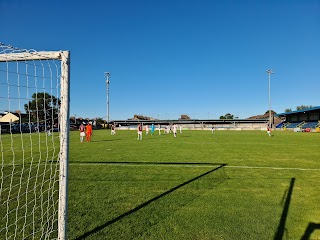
point(88, 132)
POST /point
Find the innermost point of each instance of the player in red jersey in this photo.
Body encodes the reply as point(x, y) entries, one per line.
point(269, 131)
point(139, 132)
point(82, 130)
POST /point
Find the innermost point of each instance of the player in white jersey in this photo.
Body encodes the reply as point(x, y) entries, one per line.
point(113, 129)
point(168, 129)
point(174, 129)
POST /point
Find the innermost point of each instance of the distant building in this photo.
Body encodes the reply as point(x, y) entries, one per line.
point(275, 118)
point(141, 117)
point(184, 117)
point(9, 117)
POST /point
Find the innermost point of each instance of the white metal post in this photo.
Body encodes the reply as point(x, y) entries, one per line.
point(269, 72)
point(107, 75)
point(64, 145)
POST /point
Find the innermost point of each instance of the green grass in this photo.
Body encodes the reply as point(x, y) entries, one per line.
point(179, 188)
point(226, 185)
point(29, 182)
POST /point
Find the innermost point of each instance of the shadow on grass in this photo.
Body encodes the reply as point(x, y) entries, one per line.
point(139, 207)
point(107, 140)
point(183, 136)
point(311, 227)
point(282, 223)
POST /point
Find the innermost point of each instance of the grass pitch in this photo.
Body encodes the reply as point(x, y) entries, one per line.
point(226, 185)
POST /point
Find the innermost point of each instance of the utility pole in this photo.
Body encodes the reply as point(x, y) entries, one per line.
point(107, 75)
point(269, 72)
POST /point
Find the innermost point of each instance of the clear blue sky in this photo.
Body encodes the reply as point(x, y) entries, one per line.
point(203, 58)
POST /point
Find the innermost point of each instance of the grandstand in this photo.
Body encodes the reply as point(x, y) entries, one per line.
point(306, 120)
point(199, 124)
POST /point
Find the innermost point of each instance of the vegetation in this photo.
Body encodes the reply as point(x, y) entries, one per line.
point(227, 116)
point(304, 107)
point(42, 106)
point(301, 107)
point(100, 121)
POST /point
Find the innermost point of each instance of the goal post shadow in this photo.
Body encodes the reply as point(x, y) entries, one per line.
point(281, 227)
point(145, 204)
point(309, 230)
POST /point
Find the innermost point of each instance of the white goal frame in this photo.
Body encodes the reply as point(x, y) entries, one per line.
point(64, 58)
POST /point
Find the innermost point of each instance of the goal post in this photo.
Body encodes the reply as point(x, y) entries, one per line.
point(64, 146)
point(34, 143)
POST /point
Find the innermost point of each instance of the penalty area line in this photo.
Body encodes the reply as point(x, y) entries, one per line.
point(139, 164)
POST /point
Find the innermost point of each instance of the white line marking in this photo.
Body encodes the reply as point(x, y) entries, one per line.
point(147, 164)
point(195, 166)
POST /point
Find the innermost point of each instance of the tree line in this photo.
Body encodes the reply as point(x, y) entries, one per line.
point(44, 106)
point(301, 107)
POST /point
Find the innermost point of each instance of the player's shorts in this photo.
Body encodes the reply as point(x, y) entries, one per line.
point(82, 134)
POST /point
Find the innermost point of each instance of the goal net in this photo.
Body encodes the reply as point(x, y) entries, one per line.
point(34, 136)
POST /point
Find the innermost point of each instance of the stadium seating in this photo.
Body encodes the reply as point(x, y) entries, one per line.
point(310, 125)
point(281, 125)
point(303, 125)
point(293, 125)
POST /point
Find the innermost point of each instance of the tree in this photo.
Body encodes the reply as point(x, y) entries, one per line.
point(288, 110)
point(303, 107)
point(227, 116)
point(100, 121)
point(43, 107)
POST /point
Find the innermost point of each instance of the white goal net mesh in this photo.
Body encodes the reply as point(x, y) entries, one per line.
point(31, 116)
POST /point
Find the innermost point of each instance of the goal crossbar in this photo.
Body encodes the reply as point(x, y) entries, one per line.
point(29, 56)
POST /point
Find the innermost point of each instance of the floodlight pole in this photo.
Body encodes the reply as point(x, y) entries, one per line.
point(107, 75)
point(269, 72)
